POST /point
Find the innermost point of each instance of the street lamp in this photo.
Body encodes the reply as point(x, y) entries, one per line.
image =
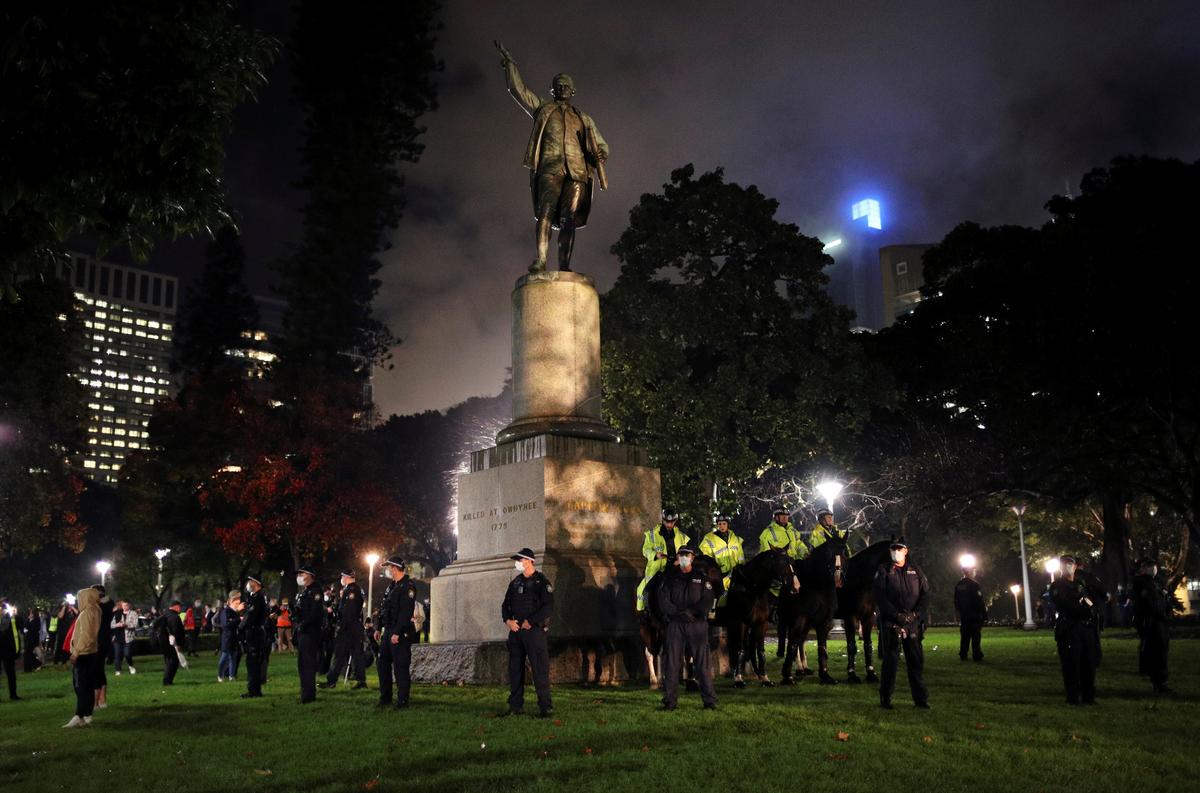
point(1019, 511)
point(967, 561)
point(161, 553)
point(372, 558)
point(829, 491)
point(102, 568)
point(1052, 567)
point(1016, 590)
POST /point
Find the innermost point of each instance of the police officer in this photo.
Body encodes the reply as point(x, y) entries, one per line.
point(725, 547)
point(659, 546)
point(396, 633)
point(526, 613)
point(253, 636)
point(1151, 614)
point(972, 613)
point(825, 529)
point(1075, 632)
point(349, 641)
point(901, 596)
point(780, 535)
point(309, 615)
point(684, 600)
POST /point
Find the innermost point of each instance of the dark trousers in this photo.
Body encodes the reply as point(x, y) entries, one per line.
point(1077, 654)
point(9, 662)
point(31, 661)
point(308, 657)
point(1152, 653)
point(170, 665)
point(683, 639)
point(255, 667)
point(347, 648)
point(395, 660)
point(118, 654)
point(266, 656)
point(84, 677)
point(970, 635)
point(528, 645)
point(890, 646)
point(193, 638)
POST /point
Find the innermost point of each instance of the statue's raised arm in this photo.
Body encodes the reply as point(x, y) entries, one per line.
point(528, 100)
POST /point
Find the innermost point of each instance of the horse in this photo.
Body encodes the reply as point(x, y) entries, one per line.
point(747, 608)
point(653, 627)
point(856, 605)
point(814, 606)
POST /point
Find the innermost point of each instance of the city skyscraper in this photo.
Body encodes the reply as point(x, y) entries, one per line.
point(128, 315)
point(902, 275)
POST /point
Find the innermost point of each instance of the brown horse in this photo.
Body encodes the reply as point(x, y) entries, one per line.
point(747, 610)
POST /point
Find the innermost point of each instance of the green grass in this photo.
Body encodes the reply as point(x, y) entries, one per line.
point(1000, 725)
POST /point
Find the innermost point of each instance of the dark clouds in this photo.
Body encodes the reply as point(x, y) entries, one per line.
point(945, 111)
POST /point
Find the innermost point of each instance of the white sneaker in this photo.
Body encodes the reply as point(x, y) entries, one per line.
point(75, 722)
point(87, 720)
point(220, 679)
point(118, 673)
point(132, 671)
point(101, 706)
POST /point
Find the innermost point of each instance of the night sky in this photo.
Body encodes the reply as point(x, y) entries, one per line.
point(944, 111)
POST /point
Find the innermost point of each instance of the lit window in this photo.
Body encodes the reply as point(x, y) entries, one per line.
point(89, 463)
point(901, 268)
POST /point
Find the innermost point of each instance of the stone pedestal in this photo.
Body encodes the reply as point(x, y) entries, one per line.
point(558, 483)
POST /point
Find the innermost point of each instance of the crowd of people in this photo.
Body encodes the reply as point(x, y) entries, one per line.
point(333, 632)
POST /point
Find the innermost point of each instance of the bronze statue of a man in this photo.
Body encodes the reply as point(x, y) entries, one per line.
point(564, 155)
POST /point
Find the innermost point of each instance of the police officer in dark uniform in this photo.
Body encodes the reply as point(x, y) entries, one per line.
point(972, 613)
point(308, 615)
point(1075, 632)
point(901, 595)
point(1151, 615)
point(526, 611)
point(349, 641)
point(253, 636)
point(396, 634)
point(684, 601)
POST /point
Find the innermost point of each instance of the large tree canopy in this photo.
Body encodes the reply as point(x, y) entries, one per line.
point(723, 355)
point(113, 122)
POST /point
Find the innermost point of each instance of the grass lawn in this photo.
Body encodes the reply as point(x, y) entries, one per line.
point(999, 725)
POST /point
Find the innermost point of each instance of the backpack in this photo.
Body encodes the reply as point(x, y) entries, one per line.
point(418, 617)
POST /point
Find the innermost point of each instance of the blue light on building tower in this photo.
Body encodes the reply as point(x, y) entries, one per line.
point(867, 208)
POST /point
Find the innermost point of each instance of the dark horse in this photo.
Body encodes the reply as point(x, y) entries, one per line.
point(814, 606)
point(747, 609)
point(653, 627)
point(856, 606)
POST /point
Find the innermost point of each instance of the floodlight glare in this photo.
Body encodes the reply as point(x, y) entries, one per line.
point(867, 208)
point(1015, 589)
point(1053, 566)
point(831, 245)
point(967, 561)
point(830, 490)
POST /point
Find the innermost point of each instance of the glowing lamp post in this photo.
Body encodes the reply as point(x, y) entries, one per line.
point(102, 568)
point(1052, 567)
point(1019, 511)
point(161, 554)
point(372, 559)
point(967, 561)
point(1016, 590)
point(829, 491)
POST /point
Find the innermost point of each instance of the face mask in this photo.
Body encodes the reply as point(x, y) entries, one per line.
point(346, 582)
point(197, 604)
point(248, 589)
point(1068, 570)
point(519, 566)
point(299, 580)
point(685, 563)
point(898, 556)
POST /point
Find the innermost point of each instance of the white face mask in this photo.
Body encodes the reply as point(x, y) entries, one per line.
point(248, 589)
point(346, 582)
point(1068, 570)
point(685, 563)
point(519, 566)
point(899, 556)
point(299, 580)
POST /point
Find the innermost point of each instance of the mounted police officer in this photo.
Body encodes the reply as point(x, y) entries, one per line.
point(1075, 632)
point(824, 530)
point(526, 612)
point(396, 634)
point(972, 613)
point(1151, 614)
point(309, 616)
point(725, 547)
point(781, 535)
point(349, 641)
point(659, 546)
point(901, 595)
point(253, 637)
point(684, 600)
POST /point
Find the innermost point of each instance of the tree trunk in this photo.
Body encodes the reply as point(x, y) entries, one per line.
point(1118, 546)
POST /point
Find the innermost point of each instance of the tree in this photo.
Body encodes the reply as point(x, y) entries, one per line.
point(363, 74)
point(115, 119)
point(1055, 363)
point(723, 355)
point(41, 423)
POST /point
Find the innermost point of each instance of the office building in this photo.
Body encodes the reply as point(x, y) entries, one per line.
point(901, 276)
point(124, 361)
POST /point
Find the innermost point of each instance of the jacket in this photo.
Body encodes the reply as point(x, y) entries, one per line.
point(653, 543)
point(85, 639)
